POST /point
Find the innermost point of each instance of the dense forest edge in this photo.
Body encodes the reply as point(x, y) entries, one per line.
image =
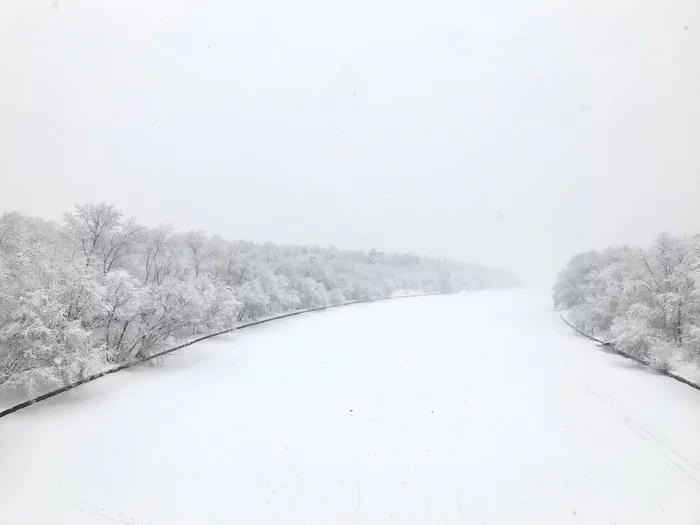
point(643, 301)
point(99, 289)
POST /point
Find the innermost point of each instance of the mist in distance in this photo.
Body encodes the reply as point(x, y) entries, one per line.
point(512, 134)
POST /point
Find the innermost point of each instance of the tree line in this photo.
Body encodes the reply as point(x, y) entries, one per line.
point(646, 301)
point(99, 288)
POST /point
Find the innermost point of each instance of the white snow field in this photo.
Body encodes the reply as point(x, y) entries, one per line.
point(477, 408)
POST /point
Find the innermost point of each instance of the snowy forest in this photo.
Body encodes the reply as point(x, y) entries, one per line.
point(101, 289)
point(644, 301)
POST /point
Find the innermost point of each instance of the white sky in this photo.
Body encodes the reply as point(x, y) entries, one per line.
point(505, 132)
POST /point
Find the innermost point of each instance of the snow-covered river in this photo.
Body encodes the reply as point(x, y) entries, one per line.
point(466, 409)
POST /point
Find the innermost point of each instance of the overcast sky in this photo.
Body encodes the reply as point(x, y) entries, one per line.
point(505, 132)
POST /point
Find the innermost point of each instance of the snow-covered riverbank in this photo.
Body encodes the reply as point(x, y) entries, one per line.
point(472, 408)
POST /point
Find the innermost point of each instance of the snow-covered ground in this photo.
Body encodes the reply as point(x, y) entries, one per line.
point(475, 408)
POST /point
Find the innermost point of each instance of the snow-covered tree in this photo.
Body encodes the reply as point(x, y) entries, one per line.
point(39, 343)
point(101, 235)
